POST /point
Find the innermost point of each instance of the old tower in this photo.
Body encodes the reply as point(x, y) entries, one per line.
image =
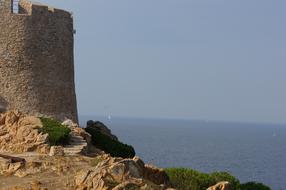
point(36, 60)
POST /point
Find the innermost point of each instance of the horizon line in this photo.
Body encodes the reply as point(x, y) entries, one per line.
point(184, 119)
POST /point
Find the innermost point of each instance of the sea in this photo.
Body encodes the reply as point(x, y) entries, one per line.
point(249, 151)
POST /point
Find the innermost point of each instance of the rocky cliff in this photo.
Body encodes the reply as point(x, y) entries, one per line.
point(27, 161)
point(20, 133)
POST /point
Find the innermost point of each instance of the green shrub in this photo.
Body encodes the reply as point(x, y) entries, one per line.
point(113, 147)
point(254, 186)
point(58, 133)
point(188, 179)
point(224, 176)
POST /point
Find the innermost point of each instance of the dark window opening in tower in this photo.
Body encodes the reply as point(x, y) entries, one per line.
point(3, 105)
point(15, 6)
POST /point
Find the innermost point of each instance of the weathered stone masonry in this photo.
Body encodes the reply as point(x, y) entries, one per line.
point(36, 60)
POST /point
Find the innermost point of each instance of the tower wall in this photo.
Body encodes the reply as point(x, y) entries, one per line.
point(36, 60)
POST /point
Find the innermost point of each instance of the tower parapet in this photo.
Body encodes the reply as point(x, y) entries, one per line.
point(36, 60)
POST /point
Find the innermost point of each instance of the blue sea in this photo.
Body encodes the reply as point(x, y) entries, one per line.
point(251, 152)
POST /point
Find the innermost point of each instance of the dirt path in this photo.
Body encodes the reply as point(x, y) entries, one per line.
point(51, 172)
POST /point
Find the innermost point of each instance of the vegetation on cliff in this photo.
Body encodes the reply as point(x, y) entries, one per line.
point(108, 144)
point(188, 179)
point(58, 133)
point(254, 185)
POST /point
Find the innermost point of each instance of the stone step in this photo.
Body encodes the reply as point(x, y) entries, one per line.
point(77, 137)
point(72, 152)
point(73, 149)
point(81, 140)
point(76, 146)
point(77, 143)
point(74, 139)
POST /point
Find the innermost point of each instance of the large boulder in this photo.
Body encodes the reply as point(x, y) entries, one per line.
point(101, 128)
point(119, 174)
point(20, 133)
point(103, 139)
point(9, 165)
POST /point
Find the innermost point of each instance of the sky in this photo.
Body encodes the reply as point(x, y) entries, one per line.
point(192, 59)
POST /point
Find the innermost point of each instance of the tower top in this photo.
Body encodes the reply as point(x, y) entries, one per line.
point(11, 6)
point(26, 7)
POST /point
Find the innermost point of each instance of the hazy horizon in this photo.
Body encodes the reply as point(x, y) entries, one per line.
point(107, 119)
point(194, 59)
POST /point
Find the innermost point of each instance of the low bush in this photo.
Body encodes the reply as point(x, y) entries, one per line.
point(188, 179)
point(113, 147)
point(224, 176)
point(58, 133)
point(254, 186)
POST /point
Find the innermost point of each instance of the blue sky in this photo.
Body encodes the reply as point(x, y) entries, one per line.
point(196, 59)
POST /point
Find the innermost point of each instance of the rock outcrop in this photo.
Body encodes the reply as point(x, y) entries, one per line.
point(82, 173)
point(102, 128)
point(57, 151)
point(8, 166)
point(19, 133)
point(76, 130)
point(224, 185)
point(103, 139)
point(119, 174)
point(66, 166)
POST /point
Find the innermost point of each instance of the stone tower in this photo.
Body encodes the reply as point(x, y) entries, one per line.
point(36, 60)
